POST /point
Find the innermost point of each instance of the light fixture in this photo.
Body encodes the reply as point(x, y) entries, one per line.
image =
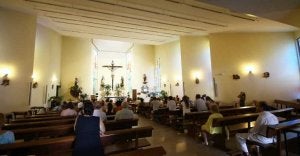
point(5, 80)
point(177, 84)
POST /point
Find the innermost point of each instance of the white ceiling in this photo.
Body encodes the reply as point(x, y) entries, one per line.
point(140, 21)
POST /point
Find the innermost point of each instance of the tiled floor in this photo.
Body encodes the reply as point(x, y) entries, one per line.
point(177, 144)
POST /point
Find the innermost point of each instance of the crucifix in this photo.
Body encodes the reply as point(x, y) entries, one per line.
point(112, 68)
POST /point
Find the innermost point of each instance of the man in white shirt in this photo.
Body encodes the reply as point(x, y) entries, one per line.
point(155, 104)
point(171, 104)
point(69, 111)
point(125, 112)
point(258, 132)
point(200, 103)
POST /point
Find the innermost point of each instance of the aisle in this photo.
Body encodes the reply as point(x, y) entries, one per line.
point(177, 144)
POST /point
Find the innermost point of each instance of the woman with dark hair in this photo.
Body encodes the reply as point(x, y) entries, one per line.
point(185, 105)
point(88, 129)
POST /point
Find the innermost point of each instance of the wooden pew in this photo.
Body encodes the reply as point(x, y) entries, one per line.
point(280, 128)
point(200, 116)
point(16, 115)
point(12, 126)
point(63, 145)
point(154, 151)
point(43, 115)
point(288, 104)
point(120, 124)
point(43, 132)
point(248, 118)
point(38, 119)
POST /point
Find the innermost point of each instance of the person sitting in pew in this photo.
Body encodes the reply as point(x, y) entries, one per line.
point(88, 130)
point(258, 132)
point(207, 128)
point(99, 110)
point(6, 137)
point(186, 104)
point(69, 111)
point(200, 104)
point(125, 113)
point(171, 104)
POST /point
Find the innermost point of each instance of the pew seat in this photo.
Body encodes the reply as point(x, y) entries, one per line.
point(154, 151)
point(125, 146)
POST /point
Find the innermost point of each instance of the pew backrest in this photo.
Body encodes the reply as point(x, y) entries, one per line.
point(111, 125)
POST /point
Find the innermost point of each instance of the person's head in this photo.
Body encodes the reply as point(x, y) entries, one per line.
point(186, 100)
point(170, 98)
point(118, 103)
point(153, 98)
point(125, 105)
point(97, 105)
point(262, 106)
point(214, 109)
point(198, 96)
point(209, 99)
point(88, 107)
point(70, 105)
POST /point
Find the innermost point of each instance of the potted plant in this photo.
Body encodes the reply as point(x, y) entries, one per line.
point(75, 90)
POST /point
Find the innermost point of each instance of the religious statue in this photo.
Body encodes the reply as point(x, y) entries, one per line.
point(145, 79)
point(122, 82)
point(102, 84)
point(112, 68)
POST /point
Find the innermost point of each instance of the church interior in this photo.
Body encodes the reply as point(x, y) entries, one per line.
point(107, 50)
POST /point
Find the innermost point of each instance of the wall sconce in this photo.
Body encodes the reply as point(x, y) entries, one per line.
point(177, 84)
point(266, 74)
point(5, 80)
point(197, 81)
point(34, 83)
point(165, 85)
point(235, 76)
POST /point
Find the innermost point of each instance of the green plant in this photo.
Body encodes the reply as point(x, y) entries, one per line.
point(75, 90)
point(163, 94)
point(107, 89)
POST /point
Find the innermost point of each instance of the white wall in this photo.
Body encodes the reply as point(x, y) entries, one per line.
point(143, 62)
point(275, 53)
point(17, 36)
point(196, 62)
point(170, 65)
point(46, 64)
point(76, 62)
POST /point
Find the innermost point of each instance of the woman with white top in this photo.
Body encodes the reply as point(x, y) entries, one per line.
point(185, 103)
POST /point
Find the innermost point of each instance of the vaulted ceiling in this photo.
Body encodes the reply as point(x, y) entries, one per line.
point(142, 21)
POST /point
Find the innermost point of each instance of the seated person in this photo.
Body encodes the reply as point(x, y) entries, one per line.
point(69, 111)
point(200, 104)
point(6, 137)
point(125, 113)
point(207, 128)
point(155, 104)
point(171, 104)
point(99, 110)
point(88, 129)
point(118, 106)
point(110, 108)
point(186, 104)
point(258, 132)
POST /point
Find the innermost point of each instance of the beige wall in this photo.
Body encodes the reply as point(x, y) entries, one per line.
point(17, 36)
point(266, 52)
point(169, 55)
point(46, 64)
point(195, 55)
point(76, 62)
point(143, 62)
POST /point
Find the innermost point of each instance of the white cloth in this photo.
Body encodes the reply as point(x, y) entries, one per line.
point(258, 132)
point(100, 114)
point(200, 105)
point(171, 104)
point(155, 104)
point(185, 109)
point(68, 112)
point(125, 113)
